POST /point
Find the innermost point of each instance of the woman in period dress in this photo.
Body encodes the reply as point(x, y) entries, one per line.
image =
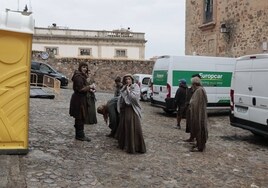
point(129, 131)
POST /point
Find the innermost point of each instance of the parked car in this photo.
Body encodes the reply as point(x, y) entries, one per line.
point(143, 81)
point(41, 69)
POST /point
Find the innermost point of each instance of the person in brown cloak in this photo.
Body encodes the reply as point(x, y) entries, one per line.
point(198, 113)
point(78, 103)
point(189, 95)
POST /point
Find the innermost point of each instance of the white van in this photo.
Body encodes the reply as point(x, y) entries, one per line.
point(216, 73)
point(249, 94)
point(143, 80)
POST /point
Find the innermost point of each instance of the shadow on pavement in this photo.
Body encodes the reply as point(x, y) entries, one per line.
point(218, 113)
point(251, 138)
point(210, 114)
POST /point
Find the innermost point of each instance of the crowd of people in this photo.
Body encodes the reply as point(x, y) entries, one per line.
point(122, 113)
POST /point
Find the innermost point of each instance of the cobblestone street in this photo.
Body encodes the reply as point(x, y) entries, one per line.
point(233, 157)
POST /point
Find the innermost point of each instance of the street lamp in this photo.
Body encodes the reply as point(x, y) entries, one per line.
point(225, 29)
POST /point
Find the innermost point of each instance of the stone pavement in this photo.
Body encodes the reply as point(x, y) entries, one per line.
point(233, 158)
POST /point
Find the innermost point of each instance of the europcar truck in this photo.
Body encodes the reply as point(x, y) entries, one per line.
point(215, 72)
point(249, 94)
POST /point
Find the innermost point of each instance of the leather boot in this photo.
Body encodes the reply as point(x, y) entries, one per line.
point(189, 140)
point(80, 135)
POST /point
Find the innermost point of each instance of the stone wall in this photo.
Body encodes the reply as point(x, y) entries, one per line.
point(103, 72)
point(247, 22)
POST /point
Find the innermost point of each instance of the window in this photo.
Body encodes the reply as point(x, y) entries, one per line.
point(34, 66)
point(145, 81)
point(45, 68)
point(52, 50)
point(84, 51)
point(208, 11)
point(121, 53)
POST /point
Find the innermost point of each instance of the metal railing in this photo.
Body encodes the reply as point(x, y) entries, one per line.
point(52, 83)
point(48, 82)
point(33, 80)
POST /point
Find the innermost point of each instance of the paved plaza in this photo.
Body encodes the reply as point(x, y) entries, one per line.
point(233, 157)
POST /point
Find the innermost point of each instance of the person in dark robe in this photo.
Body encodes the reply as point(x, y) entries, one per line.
point(109, 112)
point(118, 85)
point(198, 113)
point(129, 132)
point(78, 102)
point(189, 95)
point(180, 98)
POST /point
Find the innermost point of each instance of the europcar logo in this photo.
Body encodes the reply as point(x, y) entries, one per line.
point(208, 76)
point(159, 76)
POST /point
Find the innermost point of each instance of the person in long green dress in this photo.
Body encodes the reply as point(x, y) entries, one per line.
point(91, 118)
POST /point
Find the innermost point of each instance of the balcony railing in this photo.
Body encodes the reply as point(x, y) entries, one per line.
point(55, 31)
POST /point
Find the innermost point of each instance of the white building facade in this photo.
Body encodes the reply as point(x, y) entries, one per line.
point(73, 43)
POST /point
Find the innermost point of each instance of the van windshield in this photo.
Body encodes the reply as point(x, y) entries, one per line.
point(145, 81)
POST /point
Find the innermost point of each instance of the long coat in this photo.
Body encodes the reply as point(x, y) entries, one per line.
point(78, 103)
point(113, 114)
point(180, 99)
point(180, 96)
point(91, 117)
point(198, 113)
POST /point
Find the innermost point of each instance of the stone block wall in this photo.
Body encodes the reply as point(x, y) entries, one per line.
point(102, 71)
point(246, 20)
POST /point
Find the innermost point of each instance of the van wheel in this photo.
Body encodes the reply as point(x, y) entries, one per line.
point(144, 96)
point(169, 111)
point(257, 134)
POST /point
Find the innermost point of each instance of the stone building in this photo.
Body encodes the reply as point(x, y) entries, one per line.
point(226, 27)
point(62, 42)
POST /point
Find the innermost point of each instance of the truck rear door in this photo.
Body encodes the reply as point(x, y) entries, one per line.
point(242, 93)
point(160, 85)
point(258, 110)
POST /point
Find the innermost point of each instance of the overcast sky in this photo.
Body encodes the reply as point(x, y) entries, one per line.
point(162, 21)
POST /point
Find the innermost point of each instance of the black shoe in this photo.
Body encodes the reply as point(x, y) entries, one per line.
point(83, 138)
point(189, 140)
point(109, 135)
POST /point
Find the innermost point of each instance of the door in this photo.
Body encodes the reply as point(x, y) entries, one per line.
point(15, 54)
point(242, 89)
point(160, 85)
point(258, 109)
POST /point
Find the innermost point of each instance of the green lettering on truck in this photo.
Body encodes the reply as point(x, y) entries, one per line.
point(160, 77)
point(209, 79)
